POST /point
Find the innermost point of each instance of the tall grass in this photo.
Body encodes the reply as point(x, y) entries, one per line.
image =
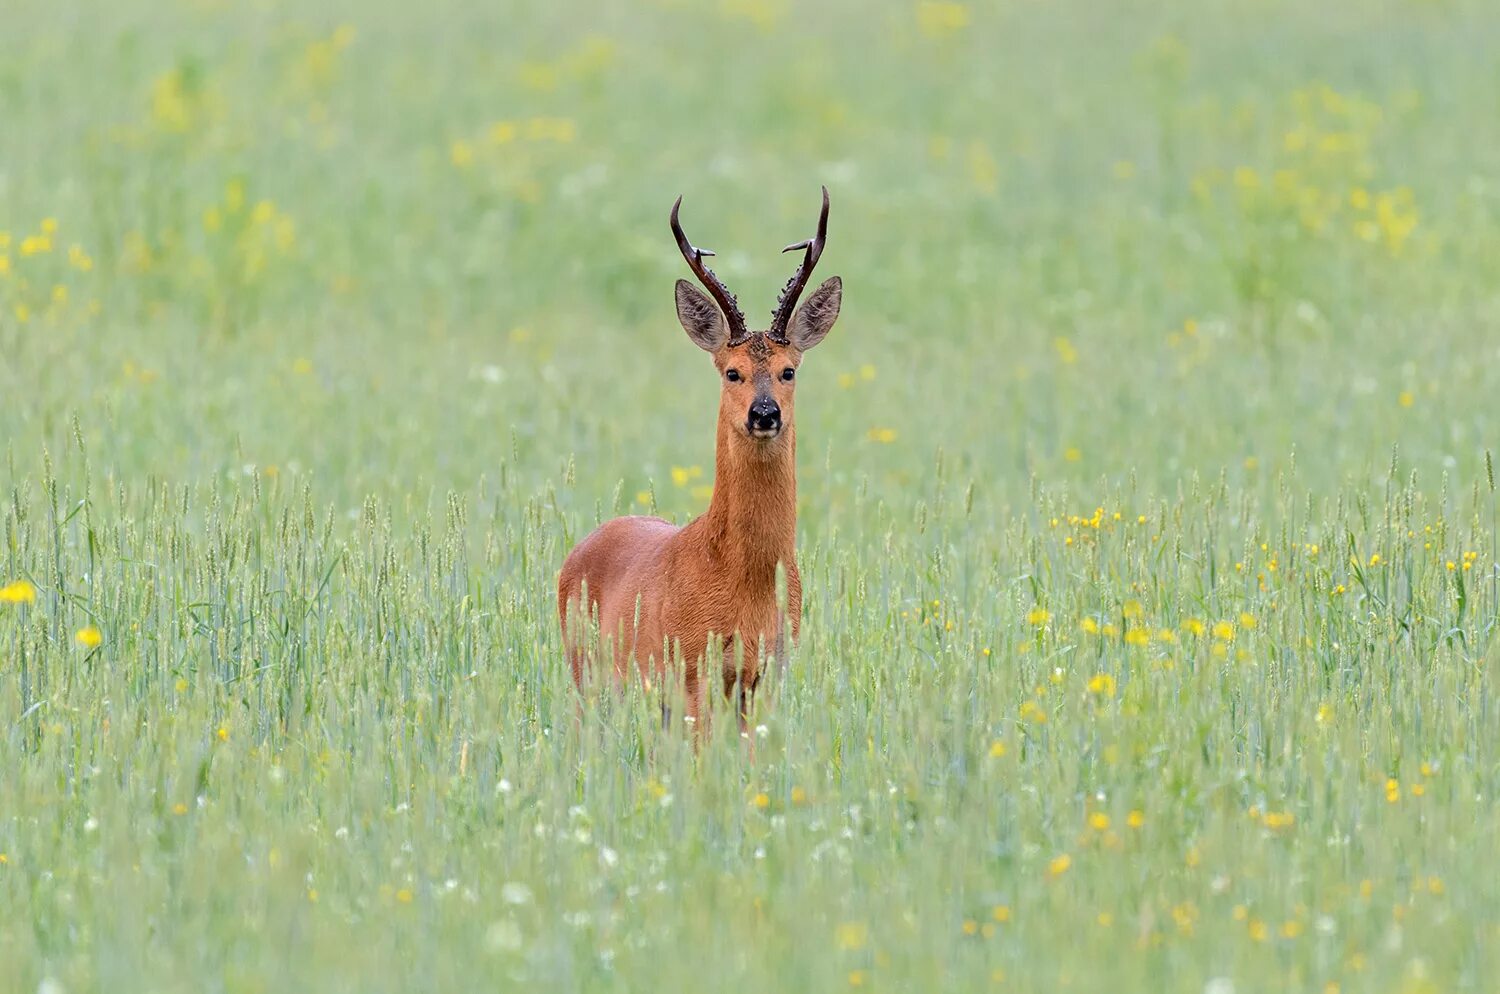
point(1147, 515)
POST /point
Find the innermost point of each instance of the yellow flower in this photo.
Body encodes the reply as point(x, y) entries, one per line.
point(1090, 626)
point(971, 927)
point(938, 19)
point(997, 749)
point(1001, 913)
point(856, 978)
point(762, 801)
point(18, 592)
point(799, 795)
point(1247, 620)
point(222, 734)
point(1392, 790)
point(1038, 617)
point(1406, 398)
point(88, 637)
point(1060, 865)
point(1099, 821)
point(1224, 631)
point(1031, 711)
point(1136, 818)
point(1072, 453)
point(461, 154)
point(179, 808)
point(882, 435)
point(1193, 626)
point(1102, 684)
point(404, 895)
point(852, 935)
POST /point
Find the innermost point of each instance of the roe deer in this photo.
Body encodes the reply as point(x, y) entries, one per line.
point(703, 596)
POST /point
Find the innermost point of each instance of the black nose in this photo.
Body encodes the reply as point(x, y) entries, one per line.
point(765, 415)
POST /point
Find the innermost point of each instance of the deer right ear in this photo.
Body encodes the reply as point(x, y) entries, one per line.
point(701, 318)
point(815, 317)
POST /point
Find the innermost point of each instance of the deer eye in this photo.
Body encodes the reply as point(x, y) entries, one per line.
point(788, 374)
point(732, 375)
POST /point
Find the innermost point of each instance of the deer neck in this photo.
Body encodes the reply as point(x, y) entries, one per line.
point(751, 522)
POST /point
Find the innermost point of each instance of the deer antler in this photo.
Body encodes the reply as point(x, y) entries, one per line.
point(787, 302)
point(738, 332)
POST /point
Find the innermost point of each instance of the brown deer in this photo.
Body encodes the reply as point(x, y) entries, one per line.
point(703, 596)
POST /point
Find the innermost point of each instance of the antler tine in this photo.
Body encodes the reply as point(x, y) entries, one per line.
point(787, 302)
point(738, 331)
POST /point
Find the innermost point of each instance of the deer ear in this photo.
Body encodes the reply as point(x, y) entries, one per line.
point(701, 318)
point(816, 315)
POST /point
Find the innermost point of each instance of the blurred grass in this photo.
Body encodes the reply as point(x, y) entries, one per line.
point(325, 331)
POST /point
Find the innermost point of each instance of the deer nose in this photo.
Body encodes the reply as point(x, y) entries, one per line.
point(765, 416)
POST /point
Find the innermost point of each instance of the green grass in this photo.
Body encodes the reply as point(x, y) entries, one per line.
point(1132, 658)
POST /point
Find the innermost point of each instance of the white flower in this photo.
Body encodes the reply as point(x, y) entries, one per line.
point(503, 936)
point(515, 893)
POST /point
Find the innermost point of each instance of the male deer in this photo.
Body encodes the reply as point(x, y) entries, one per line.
point(703, 596)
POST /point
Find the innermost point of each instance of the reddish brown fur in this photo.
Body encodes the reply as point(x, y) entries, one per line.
point(701, 585)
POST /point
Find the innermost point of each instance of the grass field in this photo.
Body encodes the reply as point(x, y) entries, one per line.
point(1148, 523)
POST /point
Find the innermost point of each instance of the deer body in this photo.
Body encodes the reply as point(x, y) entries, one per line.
point(705, 595)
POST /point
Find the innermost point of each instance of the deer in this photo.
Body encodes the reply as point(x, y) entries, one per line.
point(701, 600)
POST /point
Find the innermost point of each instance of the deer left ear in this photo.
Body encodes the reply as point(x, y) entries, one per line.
point(815, 317)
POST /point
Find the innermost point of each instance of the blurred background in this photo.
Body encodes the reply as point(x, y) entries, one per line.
point(389, 247)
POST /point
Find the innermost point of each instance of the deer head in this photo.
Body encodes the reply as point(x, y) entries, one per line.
point(758, 370)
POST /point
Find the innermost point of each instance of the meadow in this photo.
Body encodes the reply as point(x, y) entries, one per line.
point(1148, 522)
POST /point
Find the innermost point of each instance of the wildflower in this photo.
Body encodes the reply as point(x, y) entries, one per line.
point(222, 734)
point(883, 435)
point(1099, 821)
point(1136, 818)
point(1276, 820)
point(971, 927)
point(179, 808)
point(1224, 631)
point(1031, 711)
point(997, 749)
point(1072, 453)
point(1247, 620)
point(851, 935)
point(461, 154)
point(1392, 790)
point(89, 637)
point(1038, 617)
point(1102, 684)
point(1193, 626)
point(857, 978)
point(17, 592)
point(1090, 626)
point(938, 18)
point(1138, 637)
point(1060, 865)
point(1001, 913)
point(762, 801)
point(1406, 398)
point(404, 895)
